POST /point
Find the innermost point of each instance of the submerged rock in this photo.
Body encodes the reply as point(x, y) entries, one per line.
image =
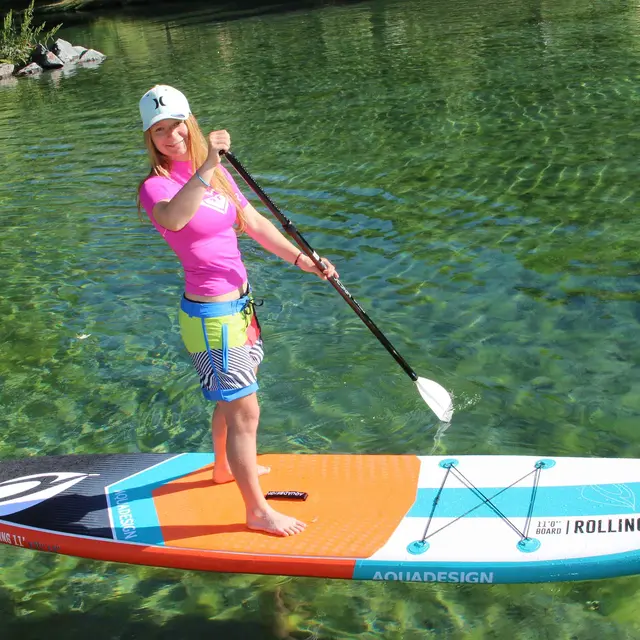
point(8, 82)
point(91, 55)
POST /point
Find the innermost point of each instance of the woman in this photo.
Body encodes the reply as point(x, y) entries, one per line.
point(194, 203)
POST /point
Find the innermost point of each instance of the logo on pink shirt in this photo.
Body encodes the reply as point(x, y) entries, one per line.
point(217, 202)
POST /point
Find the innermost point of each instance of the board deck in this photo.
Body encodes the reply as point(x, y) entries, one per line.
point(472, 519)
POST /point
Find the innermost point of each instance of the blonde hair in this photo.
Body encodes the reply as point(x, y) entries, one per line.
point(198, 150)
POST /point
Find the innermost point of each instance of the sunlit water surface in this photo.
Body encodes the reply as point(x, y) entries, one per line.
point(471, 167)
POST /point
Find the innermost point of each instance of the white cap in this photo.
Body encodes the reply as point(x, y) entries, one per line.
point(162, 102)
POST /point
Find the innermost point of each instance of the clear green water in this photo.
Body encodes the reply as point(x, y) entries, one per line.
point(471, 167)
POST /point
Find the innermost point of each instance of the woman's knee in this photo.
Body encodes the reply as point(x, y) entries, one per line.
point(243, 414)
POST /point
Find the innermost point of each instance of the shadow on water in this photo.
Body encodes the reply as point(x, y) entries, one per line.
point(119, 620)
point(87, 10)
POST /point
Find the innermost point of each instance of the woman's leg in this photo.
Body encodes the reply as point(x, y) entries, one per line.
point(221, 469)
point(241, 418)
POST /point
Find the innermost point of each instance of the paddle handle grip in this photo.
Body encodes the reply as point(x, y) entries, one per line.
point(308, 250)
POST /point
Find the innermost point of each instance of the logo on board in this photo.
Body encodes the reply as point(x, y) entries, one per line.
point(19, 494)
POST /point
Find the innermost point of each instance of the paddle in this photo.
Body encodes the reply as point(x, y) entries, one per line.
point(432, 393)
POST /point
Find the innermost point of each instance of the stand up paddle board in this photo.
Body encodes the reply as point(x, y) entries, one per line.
point(464, 519)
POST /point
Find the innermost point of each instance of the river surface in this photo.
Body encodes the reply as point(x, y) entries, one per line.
point(469, 166)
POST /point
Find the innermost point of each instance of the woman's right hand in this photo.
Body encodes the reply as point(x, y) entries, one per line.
point(218, 141)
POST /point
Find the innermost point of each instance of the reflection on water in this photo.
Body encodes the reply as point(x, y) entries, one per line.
point(470, 168)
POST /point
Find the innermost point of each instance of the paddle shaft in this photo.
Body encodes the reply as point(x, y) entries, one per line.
point(291, 230)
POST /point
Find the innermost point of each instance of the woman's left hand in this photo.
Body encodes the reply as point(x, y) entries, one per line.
point(307, 264)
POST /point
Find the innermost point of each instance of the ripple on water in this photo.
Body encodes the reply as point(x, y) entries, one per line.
point(470, 170)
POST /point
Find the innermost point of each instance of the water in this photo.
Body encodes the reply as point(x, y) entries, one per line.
point(470, 167)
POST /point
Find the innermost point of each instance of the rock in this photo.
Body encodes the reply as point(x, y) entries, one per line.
point(6, 70)
point(8, 82)
point(91, 55)
point(65, 50)
point(29, 70)
point(47, 60)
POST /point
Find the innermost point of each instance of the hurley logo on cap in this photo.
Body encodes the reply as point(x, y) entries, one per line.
point(163, 102)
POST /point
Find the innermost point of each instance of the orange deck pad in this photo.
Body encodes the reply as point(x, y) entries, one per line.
point(355, 503)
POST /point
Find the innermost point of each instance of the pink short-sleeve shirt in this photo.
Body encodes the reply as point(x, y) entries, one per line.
point(207, 246)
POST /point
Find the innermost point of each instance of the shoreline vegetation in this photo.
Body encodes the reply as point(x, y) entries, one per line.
point(19, 36)
point(24, 47)
point(27, 23)
point(25, 29)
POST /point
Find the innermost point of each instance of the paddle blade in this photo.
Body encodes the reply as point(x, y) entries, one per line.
point(437, 397)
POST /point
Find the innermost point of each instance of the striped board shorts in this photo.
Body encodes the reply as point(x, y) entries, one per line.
point(223, 340)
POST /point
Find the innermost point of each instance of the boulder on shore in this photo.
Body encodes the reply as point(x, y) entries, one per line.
point(6, 70)
point(30, 70)
point(62, 55)
point(45, 58)
point(65, 50)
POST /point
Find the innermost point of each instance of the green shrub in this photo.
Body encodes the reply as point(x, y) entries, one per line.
point(17, 41)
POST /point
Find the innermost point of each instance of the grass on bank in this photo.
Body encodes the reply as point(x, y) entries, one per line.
point(69, 6)
point(19, 36)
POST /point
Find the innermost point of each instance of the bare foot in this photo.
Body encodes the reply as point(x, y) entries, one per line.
point(274, 522)
point(222, 474)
